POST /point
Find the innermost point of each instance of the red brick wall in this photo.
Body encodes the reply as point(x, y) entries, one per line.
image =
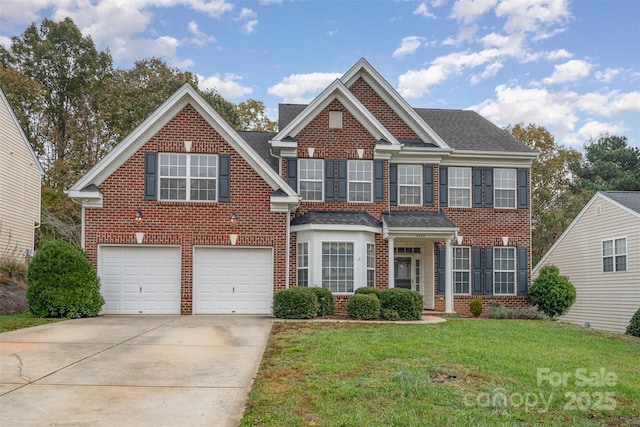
point(187, 223)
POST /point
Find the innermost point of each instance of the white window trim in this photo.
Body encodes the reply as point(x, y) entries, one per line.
point(298, 268)
point(187, 177)
point(353, 266)
point(515, 270)
point(454, 187)
point(454, 270)
point(349, 181)
point(312, 180)
point(626, 251)
point(372, 267)
point(514, 189)
point(419, 185)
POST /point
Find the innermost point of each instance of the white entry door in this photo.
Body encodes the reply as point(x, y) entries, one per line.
point(233, 280)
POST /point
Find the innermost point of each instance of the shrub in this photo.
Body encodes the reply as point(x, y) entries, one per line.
point(497, 310)
point(365, 307)
point(390, 314)
point(475, 306)
point(634, 325)
point(552, 293)
point(326, 302)
point(62, 282)
point(368, 291)
point(295, 303)
point(407, 303)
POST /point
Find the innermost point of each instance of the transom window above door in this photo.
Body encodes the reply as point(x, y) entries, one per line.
point(360, 177)
point(459, 187)
point(410, 185)
point(188, 176)
point(310, 178)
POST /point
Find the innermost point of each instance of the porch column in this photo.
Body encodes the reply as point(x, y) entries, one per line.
point(448, 281)
point(390, 241)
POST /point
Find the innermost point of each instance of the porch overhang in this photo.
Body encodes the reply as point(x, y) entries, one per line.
point(418, 225)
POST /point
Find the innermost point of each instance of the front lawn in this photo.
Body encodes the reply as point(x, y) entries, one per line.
point(10, 322)
point(462, 372)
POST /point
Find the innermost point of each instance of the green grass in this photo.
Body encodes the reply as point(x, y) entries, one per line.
point(459, 373)
point(11, 322)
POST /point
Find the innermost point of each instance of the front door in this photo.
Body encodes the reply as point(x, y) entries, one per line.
point(410, 272)
point(402, 269)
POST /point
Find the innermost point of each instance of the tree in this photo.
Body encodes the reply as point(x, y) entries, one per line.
point(552, 293)
point(553, 205)
point(609, 164)
point(253, 116)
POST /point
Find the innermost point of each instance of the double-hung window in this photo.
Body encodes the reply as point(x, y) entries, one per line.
point(614, 255)
point(410, 185)
point(461, 270)
point(504, 188)
point(459, 187)
point(504, 271)
point(360, 176)
point(188, 176)
point(303, 264)
point(310, 176)
point(338, 266)
point(371, 265)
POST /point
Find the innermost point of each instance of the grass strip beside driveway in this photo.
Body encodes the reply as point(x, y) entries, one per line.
point(11, 322)
point(462, 372)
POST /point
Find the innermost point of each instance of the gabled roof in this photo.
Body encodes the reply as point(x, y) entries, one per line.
point(336, 218)
point(626, 200)
point(184, 96)
point(338, 91)
point(24, 138)
point(417, 220)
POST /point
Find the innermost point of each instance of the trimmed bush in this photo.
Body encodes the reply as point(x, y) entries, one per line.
point(390, 314)
point(634, 325)
point(295, 303)
point(368, 291)
point(407, 303)
point(475, 307)
point(326, 302)
point(552, 293)
point(62, 282)
point(363, 307)
point(497, 310)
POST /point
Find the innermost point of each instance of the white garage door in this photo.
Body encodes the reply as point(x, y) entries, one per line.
point(233, 280)
point(140, 280)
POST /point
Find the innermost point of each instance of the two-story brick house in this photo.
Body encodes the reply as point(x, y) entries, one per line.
point(356, 189)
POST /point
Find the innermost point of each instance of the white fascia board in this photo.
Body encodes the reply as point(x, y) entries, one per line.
point(490, 159)
point(285, 203)
point(363, 69)
point(88, 199)
point(335, 227)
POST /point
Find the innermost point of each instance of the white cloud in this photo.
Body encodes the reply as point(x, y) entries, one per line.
point(301, 88)
point(408, 45)
point(559, 54)
point(532, 15)
point(269, 2)
point(200, 38)
point(570, 71)
point(593, 129)
point(228, 85)
point(607, 75)
point(490, 71)
point(5, 41)
point(249, 20)
point(423, 10)
point(468, 11)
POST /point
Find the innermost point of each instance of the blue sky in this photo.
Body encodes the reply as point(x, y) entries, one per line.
point(570, 66)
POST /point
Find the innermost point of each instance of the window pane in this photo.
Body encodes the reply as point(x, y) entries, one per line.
point(360, 177)
point(337, 266)
point(607, 264)
point(607, 248)
point(310, 179)
point(621, 263)
point(504, 263)
point(459, 187)
point(505, 188)
point(621, 246)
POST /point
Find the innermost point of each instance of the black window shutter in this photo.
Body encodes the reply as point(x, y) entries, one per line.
point(488, 187)
point(444, 182)
point(442, 269)
point(342, 180)
point(523, 188)
point(476, 271)
point(393, 184)
point(477, 187)
point(378, 180)
point(427, 199)
point(292, 174)
point(523, 271)
point(488, 270)
point(224, 178)
point(150, 175)
point(329, 179)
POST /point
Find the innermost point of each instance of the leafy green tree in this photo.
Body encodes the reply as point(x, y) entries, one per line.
point(253, 116)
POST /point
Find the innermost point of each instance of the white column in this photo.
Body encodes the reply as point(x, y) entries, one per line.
point(390, 241)
point(448, 281)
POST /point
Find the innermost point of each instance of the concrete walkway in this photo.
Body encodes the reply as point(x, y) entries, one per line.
point(131, 371)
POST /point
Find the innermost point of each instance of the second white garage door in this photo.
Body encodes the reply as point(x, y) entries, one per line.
point(233, 280)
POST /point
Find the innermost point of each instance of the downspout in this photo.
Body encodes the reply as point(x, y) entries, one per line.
point(288, 249)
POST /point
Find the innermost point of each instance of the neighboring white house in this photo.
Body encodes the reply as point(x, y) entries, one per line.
point(20, 180)
point(600, 253)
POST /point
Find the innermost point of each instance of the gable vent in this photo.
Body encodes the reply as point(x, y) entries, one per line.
point(598, 210)
point(335, 119)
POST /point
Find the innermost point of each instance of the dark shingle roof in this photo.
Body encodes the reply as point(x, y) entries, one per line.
point(630, 199)
point(336, 218)
point(417, 219)
point(259, 141)
point(468, 130)
point(288, 112)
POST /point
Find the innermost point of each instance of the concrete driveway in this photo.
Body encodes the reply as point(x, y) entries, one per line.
point(131, 371)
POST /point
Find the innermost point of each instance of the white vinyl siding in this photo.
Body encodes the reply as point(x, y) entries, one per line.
point(504, 188)
point(410, 185)
point(604, 300)
point(360, 180)
point(459, 187)
point(188, 176)
point(310, 178)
